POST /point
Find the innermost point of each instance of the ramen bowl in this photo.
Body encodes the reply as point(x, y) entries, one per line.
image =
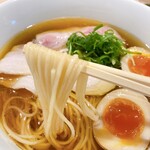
point(16, 15)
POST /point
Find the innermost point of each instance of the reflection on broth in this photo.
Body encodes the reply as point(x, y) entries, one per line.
point(41, 107)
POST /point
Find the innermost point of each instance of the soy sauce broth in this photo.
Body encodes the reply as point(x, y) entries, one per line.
point(31, 31)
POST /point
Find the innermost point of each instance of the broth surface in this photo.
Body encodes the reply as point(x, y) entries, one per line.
point(28, 35)
point(31, 31)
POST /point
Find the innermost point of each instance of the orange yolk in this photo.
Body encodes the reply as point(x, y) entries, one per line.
point(123, 118)
point(140, 64)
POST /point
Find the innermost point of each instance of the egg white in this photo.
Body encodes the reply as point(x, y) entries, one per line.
point(124, 60)
point(112, 142)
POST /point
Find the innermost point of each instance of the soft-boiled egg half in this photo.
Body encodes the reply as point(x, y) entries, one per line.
point(124, 121)
point(138, 61)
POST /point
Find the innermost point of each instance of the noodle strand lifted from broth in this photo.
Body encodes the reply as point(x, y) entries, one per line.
point(54, 76)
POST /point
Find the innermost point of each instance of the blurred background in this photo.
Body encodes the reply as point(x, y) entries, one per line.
point(147, 2)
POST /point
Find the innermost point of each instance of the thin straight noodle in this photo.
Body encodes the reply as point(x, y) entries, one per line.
point(74, 111)
point(70, 112)
point(33, 68)
point(90, 142)
point(23, 125)
point(59, 70)
point(93, 143)
point(56, 119)
point(30, 131)
point(13, 134)
point(40, 74)
point(67, 113)
point(77, 131)
point(43, 102)
point(68, 83)
point(45, 105)
point(41, 127)
point(71, 67)
point(91, 106)
point(46, 80)
point(37, 132)
point(16, 121)
point(27, 127)
point(71, 129)
point(71, 145)
point(86, 131)
point(51, 107)
point(80, 92)
point(28, 147)
point(82, 138)
point(69, 124)
point(75, 105)
point(82, 132)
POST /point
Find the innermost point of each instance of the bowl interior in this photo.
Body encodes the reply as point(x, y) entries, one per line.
point(16, 15)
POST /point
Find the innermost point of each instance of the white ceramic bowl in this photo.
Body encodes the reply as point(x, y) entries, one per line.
point(15, 15)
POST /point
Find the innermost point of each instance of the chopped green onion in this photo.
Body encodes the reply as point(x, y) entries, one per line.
point(104, 49)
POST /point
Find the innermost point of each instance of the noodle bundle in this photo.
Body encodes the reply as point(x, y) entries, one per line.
point(54, 76)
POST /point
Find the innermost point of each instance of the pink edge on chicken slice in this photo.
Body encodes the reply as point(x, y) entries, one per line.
point(57, 40)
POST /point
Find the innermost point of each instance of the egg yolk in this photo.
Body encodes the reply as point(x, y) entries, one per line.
point(140, 64)
point(123, 118)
